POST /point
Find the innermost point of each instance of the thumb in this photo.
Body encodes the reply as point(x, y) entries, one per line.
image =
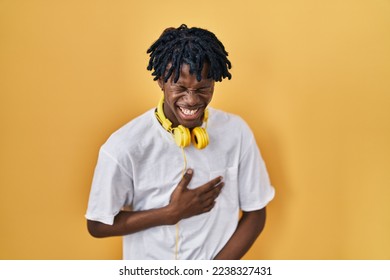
point(186, 179)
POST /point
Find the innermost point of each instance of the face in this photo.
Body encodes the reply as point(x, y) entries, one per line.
point(186, 100)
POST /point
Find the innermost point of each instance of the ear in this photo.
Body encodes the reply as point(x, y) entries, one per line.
point(160, 82)
point(212, 87)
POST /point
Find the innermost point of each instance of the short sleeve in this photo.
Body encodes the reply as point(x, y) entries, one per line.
point(255, 189)
point(111, 190)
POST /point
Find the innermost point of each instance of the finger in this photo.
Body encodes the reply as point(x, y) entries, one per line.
point(210, 185)
point(218, 187)
point(209, 207)
point(186, 179)
point(214, 189)
point(213, 193)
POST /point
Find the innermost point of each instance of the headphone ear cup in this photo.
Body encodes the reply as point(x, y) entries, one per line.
point(200, 138)
point(182, 136)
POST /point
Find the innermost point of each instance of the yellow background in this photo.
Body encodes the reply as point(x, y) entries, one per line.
point(312, 79)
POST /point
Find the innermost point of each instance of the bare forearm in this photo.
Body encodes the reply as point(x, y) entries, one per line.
point(184, 203)
point(249, 228)
point(127, 222)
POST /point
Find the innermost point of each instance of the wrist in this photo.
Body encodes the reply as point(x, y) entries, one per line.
point(171, 215)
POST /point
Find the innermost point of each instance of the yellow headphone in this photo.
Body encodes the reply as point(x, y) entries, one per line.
point(182, 135)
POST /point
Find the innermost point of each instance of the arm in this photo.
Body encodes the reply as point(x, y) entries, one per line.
point(184, 203)
point(249, 228)
point(127, 222)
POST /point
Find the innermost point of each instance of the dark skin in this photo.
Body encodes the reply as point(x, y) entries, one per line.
point(184, 203)
point(185, 102)
point(187, 94)
point(249, 228)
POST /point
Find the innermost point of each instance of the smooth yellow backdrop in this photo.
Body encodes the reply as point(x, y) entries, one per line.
point(312, 78)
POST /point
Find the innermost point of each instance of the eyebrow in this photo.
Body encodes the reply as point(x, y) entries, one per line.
point(181, 87)
point(179, 84)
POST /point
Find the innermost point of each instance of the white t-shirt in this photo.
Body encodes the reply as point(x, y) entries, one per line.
point(140, 165)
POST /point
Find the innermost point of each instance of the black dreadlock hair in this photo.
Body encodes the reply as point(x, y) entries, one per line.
point(193, 46)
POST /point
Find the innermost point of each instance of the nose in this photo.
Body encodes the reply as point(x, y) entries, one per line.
point(191, 98)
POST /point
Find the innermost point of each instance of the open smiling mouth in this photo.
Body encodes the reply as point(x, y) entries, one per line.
point(188, 112)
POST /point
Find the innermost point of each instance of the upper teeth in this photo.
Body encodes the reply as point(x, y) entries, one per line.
point(188, 112)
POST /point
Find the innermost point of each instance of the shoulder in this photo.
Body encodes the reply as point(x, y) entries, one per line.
point(228, 122)
point(130, 135)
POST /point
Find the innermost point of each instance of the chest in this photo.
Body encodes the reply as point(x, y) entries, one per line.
point(159, 169)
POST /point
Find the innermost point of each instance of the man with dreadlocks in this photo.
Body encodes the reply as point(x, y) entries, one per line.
point(174, 180)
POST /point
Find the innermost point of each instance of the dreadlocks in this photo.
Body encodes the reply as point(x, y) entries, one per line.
point(193, 46)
